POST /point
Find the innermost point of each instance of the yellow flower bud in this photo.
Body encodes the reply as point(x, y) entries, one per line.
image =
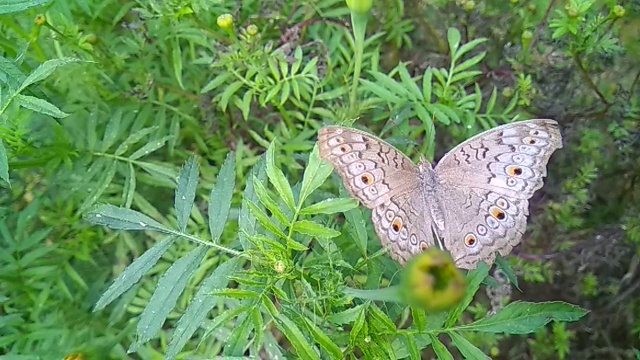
point(571, 11)
point(468, 6)
point(252, 30)
point(279, 267)
point(225, 21)
point(360, 6)
point(432, 281)
point(40, 20)
point(618, 11)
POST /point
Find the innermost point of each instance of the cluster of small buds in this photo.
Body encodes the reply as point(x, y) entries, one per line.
point(225, 22)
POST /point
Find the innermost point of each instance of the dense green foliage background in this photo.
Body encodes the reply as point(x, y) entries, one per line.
point(238, 251)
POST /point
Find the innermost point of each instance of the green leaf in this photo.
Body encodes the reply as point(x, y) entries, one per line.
point(330, 206)
point(123, 219)
point(100, 188)
point(467, 349)
point(292, 332)
point(176, 57)
point(239, 294)
point(134, 272)
point(4, 163)
point(258, 325)
point(47, 68)
point(246, 221)
point(347, 316)
point(315, 174)
point(321, 338)
point(217, 81)
point(14, 6)
point(238, 340)
point(112, 131)
point(40, 106)
point(381, 319)
point(228, 92)
point(453, 38)
point(358, 325)
point(468, 63)
point(474, 279)
point(133, 139)
point(186, 192)
point(164, 298)
point(199, 308)
point(148, 148)
point(356, 225)
point(507, 270)
point(311, 228)
point(277, 178)
point(264, 220)
point(269, 203)
point(439, 349)
point(390, 294)
point(521, 317)
point(221, 196)
point(468, 47)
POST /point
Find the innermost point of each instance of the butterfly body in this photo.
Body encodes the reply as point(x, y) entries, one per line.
point(474, 202)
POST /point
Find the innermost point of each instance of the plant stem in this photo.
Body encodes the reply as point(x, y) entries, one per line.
point(359, 27)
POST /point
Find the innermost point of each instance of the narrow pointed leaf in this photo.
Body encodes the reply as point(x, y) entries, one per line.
point(474, 279)
point(315, 174)
point(220, 198)
point(507, 270)
point(123, 219)
point(441, 351)
point(467, 349)
point(292, 332)
point(134, 272)
point(330, 206)
point(247, 221)
point(277, 178)
point(186, 192)
point(4, 163)
point(524, 317)
point(45, 70)
point(264, 220)
point(164, 298)
point(199, 308)
point(40, 106)
point(311, 228)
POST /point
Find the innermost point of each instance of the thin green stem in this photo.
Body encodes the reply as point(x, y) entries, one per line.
point(359, 27)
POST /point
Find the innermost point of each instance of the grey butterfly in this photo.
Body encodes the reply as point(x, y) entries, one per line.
point(473, 203)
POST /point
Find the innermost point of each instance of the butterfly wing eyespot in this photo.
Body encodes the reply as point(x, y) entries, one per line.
point(396, 225)
point(514, 170)
point(366, 179)
point(470, 240)
point(497, 213)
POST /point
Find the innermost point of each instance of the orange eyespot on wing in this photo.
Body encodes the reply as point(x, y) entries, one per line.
point(498, 214)
point(470, 240)
point(366, 179)
point(514, 171)
point(396, 225)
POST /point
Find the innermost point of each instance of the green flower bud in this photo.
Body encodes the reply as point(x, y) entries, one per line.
point(359, 6)
point(618, 11)
point(469, 5)
point(571, 11)
point(252, 30)
point(40, 20)
point(432, 281)
point(225, 21)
